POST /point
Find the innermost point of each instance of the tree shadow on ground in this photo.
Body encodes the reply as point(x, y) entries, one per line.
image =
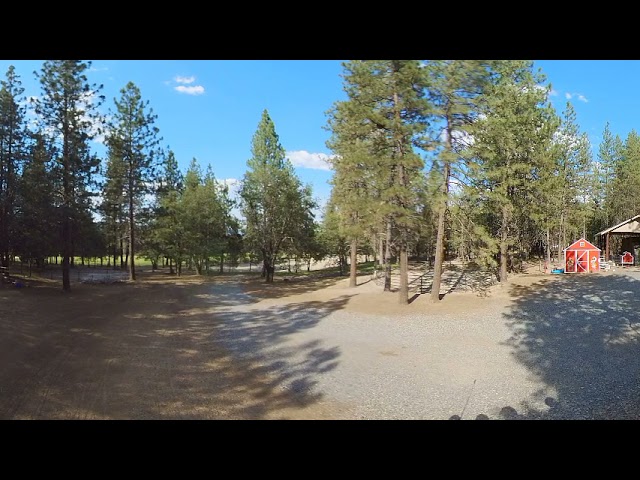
point(580, 335)
point(257, 288)
point(156, 351)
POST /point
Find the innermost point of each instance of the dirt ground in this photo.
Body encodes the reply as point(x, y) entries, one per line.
point(149, 349)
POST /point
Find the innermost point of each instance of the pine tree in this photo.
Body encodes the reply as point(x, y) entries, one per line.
point(204, 217)
point(113, 201)
point(133, 139)
point(455, 89)
point(571, 169)
point(626, 187)
point(332, 237)
point(167, 226)
point(12, 151)
point(608, 157)
point(67, 111)
point(510, 139)
point(380, 125)
point(37, 218)
point(271, 195)
point(351, 191)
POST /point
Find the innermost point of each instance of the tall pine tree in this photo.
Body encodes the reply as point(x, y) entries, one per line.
point(12, 152)
point(510, 139)
point(67, 111)
point(380, 125)
point(455, 89)
point(273, 200)
point(133, 139)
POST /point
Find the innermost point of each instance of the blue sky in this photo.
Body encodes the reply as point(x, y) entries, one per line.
point(210, 109)
point(600, 90)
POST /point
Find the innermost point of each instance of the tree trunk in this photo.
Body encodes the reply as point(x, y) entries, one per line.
point(222, 263)
point(442, 212)
point(561, 236)
point(548, 250)
point(115, 255)
point(387, 259)
point(132, 239)
point(504, 245)
point(353, 279)
point(268, 268)
point(121, 253)
point(403, 292)
point(270, 273)
point(559, 248)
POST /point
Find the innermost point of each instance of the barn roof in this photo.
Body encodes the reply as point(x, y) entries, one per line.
point(582, 244)
point(632, 225)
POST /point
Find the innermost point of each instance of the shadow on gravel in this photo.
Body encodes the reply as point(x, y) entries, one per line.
point(510, 413)
point(581, 336)
point(155, 351)
point(287, 285)
point(262, 338)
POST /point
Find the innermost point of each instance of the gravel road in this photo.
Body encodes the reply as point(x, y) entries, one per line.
point(566, 350)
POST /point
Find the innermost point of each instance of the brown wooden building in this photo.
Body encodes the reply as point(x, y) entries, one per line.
point(629, 234)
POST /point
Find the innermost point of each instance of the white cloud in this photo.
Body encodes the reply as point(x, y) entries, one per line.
point(180, 79)
point(553, 93)
point(459, 139)
point(304, 159)
point(462, 139)
point(185, 85)
point(579, 96)
point(98, 69)
point(190, 90)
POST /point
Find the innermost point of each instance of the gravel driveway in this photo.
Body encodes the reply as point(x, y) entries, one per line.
point(567, 349)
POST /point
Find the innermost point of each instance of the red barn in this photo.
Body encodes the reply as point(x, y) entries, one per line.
point(581, 257)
